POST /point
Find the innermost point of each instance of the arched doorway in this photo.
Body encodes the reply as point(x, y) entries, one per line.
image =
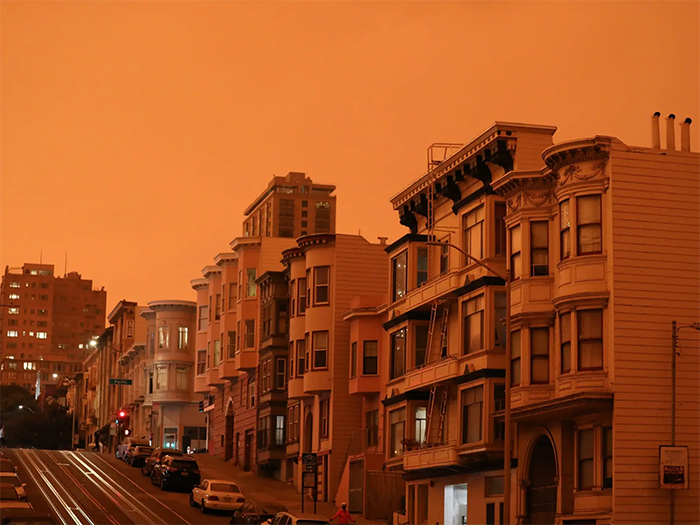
point(308, 432)
point(542, 486)
point(228, 434)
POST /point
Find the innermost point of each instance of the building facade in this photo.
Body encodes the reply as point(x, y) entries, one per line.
point(600, 267)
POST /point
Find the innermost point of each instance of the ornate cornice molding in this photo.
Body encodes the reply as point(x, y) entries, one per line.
point(311, 240)
point(583, 150)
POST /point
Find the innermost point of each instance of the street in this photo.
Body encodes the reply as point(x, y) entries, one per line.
point(93, 489)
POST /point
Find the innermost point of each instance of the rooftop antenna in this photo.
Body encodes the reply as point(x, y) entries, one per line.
point(65, 267)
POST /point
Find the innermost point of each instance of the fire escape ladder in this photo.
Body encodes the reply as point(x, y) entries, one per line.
point(431, 330)
point(429, 417)
point(443, 330)
point(443, 411)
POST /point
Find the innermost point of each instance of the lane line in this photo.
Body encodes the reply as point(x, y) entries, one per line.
point(83, 489)
point(102, 484)
point(33, 458)
point(138, 487)
point(40, 487)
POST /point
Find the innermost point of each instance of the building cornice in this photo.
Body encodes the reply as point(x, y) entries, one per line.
point(225, 257)
point(240, 243)
point(199, 284)
point(291, 253)
point(172, 304)
point(147, 314)
point(119, 309)
point(308, 241)
point(209, 271)
point(579, 150)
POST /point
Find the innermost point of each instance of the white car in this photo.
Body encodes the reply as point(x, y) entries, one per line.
point(13, 479)
point(287, 518)
point(127, 445)
point(217, 494)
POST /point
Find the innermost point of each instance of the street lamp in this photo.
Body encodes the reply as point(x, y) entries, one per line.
point(675, 328)
point(22, 407)
point(507, 418)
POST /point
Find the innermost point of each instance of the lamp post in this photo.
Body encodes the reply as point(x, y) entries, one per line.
point(507, 416)
point(675, 328)
point(21, 407)
point(108, 416)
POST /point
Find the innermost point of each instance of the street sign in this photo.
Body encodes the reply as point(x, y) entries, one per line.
point(309, 458)
point(673, 467)
point(309, 481)
point(120, 381)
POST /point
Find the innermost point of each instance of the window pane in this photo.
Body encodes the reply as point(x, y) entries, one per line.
point(565, 327)
point(399, 272)
point(540, 341)
point(353, 360)
point(589, 239)
point(590, 355)
point(500, 320)
point(564, 220)
point(398, 345)
point(590, 324)
point(421, 344)
point(588, 209)
point(370, 357)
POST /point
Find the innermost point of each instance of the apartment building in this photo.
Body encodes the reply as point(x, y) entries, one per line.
point(600, 266)
point(45, 317)
point(229, 324)
point(325, 272)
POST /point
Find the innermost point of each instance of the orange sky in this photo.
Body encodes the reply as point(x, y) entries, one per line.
point(133, 134)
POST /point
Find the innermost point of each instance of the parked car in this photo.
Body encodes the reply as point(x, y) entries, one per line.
point(182, 472)
point(9, 498)
point(217, 494)
point(156, 457)
point(136, 456)
point(287, 518)
point(13, 479)
point(127, 445)
point(25, 517)
point(253, 514)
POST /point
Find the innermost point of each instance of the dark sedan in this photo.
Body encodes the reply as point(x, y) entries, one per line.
point(156, 457)
point(253, 514)
point(137, 456)
point(181, 472)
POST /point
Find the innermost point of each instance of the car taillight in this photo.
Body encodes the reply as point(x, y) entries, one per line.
point(240, 500)
point(195, 472)
point(213, 498)
point(171, 469)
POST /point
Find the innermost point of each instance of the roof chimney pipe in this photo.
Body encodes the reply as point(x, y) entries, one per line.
point(685, 134)
point(671, 132)
point(655, 131)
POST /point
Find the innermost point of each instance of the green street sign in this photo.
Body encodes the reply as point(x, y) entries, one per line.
point(120, 381)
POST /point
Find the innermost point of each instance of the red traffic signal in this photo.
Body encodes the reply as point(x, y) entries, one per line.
point(122, 413)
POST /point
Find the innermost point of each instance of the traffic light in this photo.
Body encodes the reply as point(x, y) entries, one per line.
point(201, 406)
point(122, 414)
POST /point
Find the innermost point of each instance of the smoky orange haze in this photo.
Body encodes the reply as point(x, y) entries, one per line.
point(134, 134)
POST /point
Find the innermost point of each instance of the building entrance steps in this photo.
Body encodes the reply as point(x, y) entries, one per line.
point(266, 489)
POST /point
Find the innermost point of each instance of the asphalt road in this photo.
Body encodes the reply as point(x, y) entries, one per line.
point(85, 488)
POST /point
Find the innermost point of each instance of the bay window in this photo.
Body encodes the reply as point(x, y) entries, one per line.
point(500, 319)
point(372, 427)
point(421, 266)
point(473, 227)
point(164, 337)
point(324, 409)
point(353, 360)
point(231, 295)
point(500, 228)
point(565, 345)
point(420, 420)
point(293, 297)
point(516, 268)
point(370, 355)
point(539, 248)
point(321, 285)
point(586, 445)
point(251, 287)
point(397, 427)
point(231, 344)
point(421, 343)
point(301, 296)
point(250, 333)
point(588, 225)
point(301, 353)
point(590, 339)
point(320, 343)
point(474, 325)
point(472, 415)
point(564, 230)
point(281, 374)
point(399, 283)
point(444, 257)
point(398, 354)
point(279, 431)
point(515, 358)
point(201, 361)
point(539, 356)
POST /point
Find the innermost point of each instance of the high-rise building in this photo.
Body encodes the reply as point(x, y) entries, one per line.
point(45, 321)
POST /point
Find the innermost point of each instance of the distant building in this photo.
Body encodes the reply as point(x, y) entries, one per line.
point(229, 314)
point(46, 318)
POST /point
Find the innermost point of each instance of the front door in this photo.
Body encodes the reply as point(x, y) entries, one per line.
point(228, 450)
point(248, 449)
point(542, 487)
point(357, 474)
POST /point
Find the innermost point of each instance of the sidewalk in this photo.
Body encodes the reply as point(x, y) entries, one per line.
point(265, 489)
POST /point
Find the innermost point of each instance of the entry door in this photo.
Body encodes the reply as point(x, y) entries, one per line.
point(228, 451)
point(248, 450)
point(356, 498)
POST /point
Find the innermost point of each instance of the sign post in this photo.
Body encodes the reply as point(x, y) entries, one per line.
point(309, 477)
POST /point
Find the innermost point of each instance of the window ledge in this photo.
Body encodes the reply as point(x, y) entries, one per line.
point(580, 258)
